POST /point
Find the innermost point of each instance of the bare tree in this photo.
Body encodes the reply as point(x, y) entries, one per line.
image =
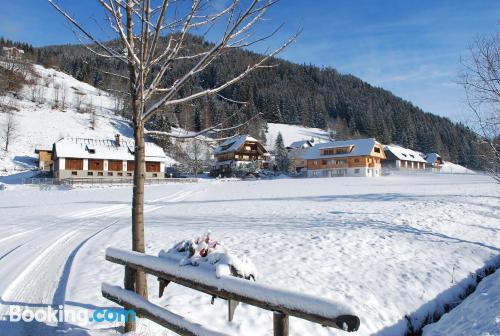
point(78, 101)
point(93, 117)
point(64, 93)
point(481, 80)
point(57, 94)
point(152, 37)
point(9, 130)
point(197, 156)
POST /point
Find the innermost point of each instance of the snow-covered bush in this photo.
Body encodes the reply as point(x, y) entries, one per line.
point(205, 252)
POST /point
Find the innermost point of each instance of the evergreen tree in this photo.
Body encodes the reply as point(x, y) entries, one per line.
point(282, 161)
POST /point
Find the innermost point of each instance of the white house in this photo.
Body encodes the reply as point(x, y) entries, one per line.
point(400, 158)
point(12, 53)
point(98, 158)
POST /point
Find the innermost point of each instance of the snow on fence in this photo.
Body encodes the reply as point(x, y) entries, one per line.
point(282, 302)
point(104, 180)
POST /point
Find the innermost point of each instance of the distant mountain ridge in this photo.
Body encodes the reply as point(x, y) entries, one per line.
point(289, 93)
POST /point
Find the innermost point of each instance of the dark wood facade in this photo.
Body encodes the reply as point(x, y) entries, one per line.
point(73, 164)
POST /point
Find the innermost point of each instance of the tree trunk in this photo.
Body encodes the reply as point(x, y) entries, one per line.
point(138, 243)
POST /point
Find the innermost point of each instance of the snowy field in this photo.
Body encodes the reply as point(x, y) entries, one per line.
point(386, 247)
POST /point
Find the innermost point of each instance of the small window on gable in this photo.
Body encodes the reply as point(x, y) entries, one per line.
point(377, 149)
point(90, 149)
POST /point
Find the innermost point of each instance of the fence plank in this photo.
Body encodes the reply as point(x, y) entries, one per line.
point(160, 315)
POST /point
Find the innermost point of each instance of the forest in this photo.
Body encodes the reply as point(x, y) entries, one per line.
point(289, 93)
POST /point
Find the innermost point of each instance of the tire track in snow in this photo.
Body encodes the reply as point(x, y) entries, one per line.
point(22, 283)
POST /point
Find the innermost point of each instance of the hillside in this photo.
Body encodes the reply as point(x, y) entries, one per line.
point(292, 94)
point(41, 121)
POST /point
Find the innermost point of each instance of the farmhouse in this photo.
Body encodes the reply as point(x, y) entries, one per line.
point(296, 151)
point(357, 157)
point(237, 152)
point(12, 53)
point(434, 161)
point(44, 157)
point(400, 158)
point(95, 158)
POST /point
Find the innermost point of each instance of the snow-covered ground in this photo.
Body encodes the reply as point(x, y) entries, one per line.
point(385, 247)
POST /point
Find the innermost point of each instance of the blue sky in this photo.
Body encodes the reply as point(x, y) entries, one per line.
point(412, 48)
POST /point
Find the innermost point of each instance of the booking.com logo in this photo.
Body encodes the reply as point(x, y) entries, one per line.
point(61, 314)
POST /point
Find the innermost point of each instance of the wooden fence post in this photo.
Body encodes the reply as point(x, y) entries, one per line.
point(129, 284)
point(280, 324)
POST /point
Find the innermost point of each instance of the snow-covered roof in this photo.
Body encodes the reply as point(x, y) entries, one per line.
point(300, 144)
point(105, 149)
point(233, 144)
point(360, 147)
point(431, 158)
point(45, 148)
point(405, 154)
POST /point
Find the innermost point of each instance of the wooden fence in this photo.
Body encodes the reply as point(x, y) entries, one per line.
point(104, 180)
point(282, 303)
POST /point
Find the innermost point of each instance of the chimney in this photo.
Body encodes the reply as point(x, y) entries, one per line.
point(117, 140)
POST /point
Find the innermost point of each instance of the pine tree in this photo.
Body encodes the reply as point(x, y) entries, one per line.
point(282, 162)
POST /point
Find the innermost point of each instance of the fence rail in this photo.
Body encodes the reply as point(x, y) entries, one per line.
point(283, 303)
point(104, 180)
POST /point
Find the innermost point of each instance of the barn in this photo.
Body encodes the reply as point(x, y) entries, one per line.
point(104, 158)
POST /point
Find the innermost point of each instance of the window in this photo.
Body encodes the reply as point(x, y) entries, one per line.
point(130, 165)
point(90, 173)
point(324, 162)
point(152, 167)
point(74, 173)
point(99, 174)
point(115, 165)
point(129, 174)
point(356, 171)
point(356, 160)
point(377, 149)
point(95, 164)
point(73, 164)
point(110, 174)
point(155, 175)
point(120, 174)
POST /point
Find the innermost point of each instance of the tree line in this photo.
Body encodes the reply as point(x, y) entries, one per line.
point(287, 93)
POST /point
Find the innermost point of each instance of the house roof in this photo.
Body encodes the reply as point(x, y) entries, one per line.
point(44, 148)
point(360, 147)
point(105, 149)
point(233, 144)
point(300, 144)
point(406, 154)
point(431, 158)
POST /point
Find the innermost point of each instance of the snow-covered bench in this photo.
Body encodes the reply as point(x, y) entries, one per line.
point(282, 302)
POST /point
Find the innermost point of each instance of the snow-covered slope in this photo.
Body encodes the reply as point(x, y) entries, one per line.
point(478, 314)
point(293, 133)
point(39, 123)
point(453, 168)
